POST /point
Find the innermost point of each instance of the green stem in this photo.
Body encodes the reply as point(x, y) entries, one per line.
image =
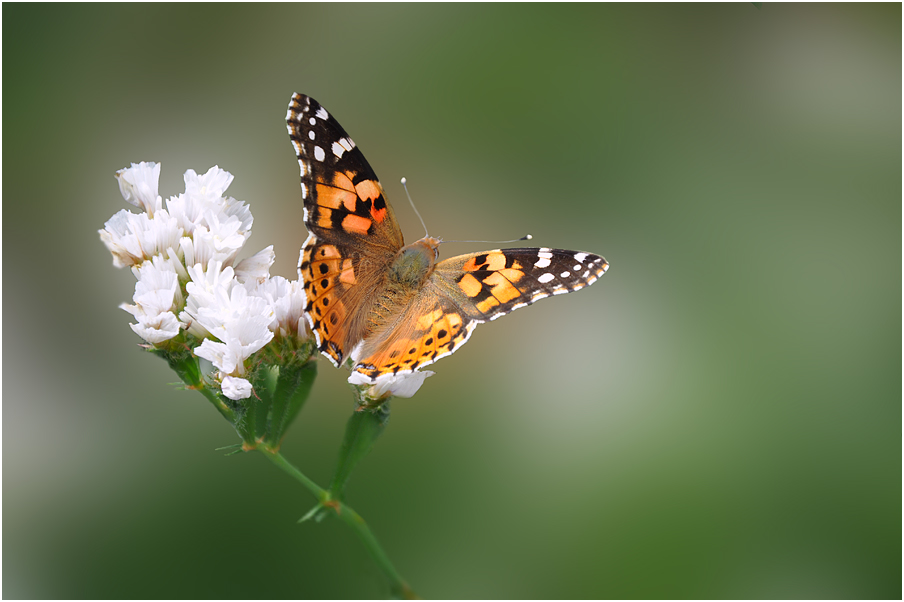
point(352, 519)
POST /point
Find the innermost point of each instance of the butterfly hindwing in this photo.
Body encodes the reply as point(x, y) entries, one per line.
point(467, 290)
point(430, 328)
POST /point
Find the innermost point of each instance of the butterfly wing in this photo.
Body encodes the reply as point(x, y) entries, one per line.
point(353, 234)
point(467, 290)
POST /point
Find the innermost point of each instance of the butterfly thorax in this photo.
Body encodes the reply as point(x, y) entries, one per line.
point(413, 264)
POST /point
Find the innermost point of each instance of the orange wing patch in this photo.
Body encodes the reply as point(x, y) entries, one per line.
point(335, 197)
point(370, 190)
point(356, 224)
point(469, 285)
point(491, 260)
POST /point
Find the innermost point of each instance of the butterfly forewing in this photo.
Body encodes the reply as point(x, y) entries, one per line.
point(353, 234)
point(491, 284)
point(343, 198)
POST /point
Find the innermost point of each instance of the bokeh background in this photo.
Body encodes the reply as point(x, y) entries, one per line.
point(719, 416)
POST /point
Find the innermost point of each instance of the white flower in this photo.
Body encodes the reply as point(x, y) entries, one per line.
point(220, 240)
point(240, 211)
point(157, 294)
point(138, 185)
point(215, 227)
point(227, 358)
point(236, 388)
point(256, 269)
point(219, 307)
point(157, 289)
point(287, 300)
point(133, 238)
point(392, 385)
point(202, 292)
point(187, 210)
point(210, 186)
point(158, 328)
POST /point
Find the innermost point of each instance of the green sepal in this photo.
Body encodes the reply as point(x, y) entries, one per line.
point(182, 362)
point(361, 432)
point(256, 423)
point(290, 392)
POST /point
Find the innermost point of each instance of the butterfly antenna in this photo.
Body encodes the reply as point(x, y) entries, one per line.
point(416, 212)
point(495, 242)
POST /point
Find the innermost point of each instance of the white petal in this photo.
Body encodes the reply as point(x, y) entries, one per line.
point(236, 388)
point(157, 289)
point(256, 267)
point(395, 385)
point(133, 238)
point(212, 184)
point(156, 329)
point(219, 354)
point(138, 185)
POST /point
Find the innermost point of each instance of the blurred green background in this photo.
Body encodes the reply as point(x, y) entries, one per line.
point(719, 416)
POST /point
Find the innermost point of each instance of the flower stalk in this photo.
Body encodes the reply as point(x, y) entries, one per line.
point(193, 301)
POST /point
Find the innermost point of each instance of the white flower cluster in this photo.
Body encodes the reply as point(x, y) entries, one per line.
point(192, 242)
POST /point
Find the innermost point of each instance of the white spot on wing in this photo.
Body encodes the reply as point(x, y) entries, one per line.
point(543, 262)
point(577, 268)
point(545, 278)
point(565, 274)
point(318, 153)
point(311, 134)
point(322, 114)
point(580, 257)
point(312, 121)
point(338, 150)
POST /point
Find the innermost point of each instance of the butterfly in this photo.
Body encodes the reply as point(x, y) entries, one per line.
point(390, 307)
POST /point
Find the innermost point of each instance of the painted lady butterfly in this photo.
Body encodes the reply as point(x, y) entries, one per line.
point(393, 308)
